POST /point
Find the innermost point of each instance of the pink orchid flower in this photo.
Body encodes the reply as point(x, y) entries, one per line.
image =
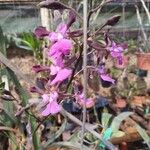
point(116, 51)
point(89, 102)
point(63, 46)
point(52, 106)
point(61, 76)
point(59, 34)
point(105, 76)
point(58, 50)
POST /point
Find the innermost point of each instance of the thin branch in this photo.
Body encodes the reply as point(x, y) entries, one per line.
point(80, 17)
point(146, 10)
point(85, 5)
point(97, 135)
point(140, 23)
point(96, 9)
point(24, 109)
point(75, 67)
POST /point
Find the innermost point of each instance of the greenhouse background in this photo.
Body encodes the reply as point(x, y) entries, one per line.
point(19, 16)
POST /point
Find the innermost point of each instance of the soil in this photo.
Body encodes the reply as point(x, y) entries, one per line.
point(24, 60)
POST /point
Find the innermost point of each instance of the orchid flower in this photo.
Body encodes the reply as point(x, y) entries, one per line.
point(59, 34)
point(62, 28)
point(63, 46)
point(62, 75)
point(54, 69)
point(58, 50)
point(52, 106)
point(89, 102)
point(116, 51)
point(52, 36)
point(105, 76)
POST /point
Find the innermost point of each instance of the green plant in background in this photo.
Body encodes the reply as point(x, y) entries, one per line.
point(28, 41)
point(111, 126)
point(8, 120)
point(132, 47)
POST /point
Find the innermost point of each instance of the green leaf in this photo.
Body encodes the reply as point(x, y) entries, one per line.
point(22, 44)
point(118, 119)
point(2, 85)
point(8, 106)
point(105, 120)
point(143, 134)
point(2, 42)
point(106, 136)
point(7, 119)
point(118, 134)
point(24, 96)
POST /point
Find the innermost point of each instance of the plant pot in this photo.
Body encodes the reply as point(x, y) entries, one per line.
point(138, 101)
point(141, 73)
point(143, 61)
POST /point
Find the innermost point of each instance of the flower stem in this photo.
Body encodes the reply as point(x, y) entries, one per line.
point(85, 3)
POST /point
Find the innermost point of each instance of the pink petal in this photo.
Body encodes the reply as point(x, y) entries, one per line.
point(88, 102)
point(54, 107)
point(54, 69)
point(120, 60)
point(57, 59)
point(63, 46)
point(59, 62)
point(53, 36)
point(62, 28)
point(115, 54)
point(45, 98)
point(54, 96)
point(107, 78)
point(54, 49)
point(61, 76)
point(47, 110)
point(51, 108)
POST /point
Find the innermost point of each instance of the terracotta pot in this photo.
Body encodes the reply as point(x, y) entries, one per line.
point(138, 100)
point(143, 61)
